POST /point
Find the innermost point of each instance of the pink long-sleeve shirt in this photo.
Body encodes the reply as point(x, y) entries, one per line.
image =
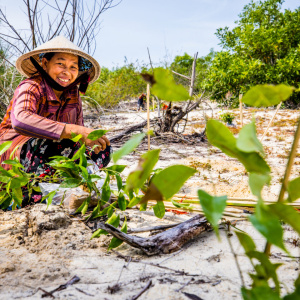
point(35, 111)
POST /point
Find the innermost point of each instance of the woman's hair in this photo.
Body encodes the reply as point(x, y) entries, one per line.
point(83, 63)
point(48, 55)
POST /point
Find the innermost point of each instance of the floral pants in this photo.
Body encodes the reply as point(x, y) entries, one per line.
point(36, 153)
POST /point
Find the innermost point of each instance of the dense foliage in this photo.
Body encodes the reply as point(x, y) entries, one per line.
point(264, 47)
point(9, 80)
point(113, 86)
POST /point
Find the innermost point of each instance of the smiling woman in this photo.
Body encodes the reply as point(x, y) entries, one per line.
point(62, 67)
point(46, 109)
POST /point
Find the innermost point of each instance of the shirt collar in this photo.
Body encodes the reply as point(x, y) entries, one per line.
point(50, 92)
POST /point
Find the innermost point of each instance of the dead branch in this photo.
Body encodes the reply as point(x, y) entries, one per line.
point(164, 242)
point(143, 290)
point(129, 130)
point(73, 280)
point(153, 228)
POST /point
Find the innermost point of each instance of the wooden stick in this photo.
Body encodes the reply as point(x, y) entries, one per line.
point(193, 75)
point(271, 121)
point(186, 77)
point(241, 109)
point(148, 114)
point(143, 290)
point(153, 228)
point(158, 101)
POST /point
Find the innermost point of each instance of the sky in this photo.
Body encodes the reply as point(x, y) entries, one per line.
point(167, 27)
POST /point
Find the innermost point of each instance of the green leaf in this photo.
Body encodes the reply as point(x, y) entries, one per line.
point(17, 195)
point(106, 193)
point(266, 270)
point(95, 177)
point(267, 95)
point(286, 213)
point(107, 210)
point(213, 208)
point(5, 146)
point(115, 169)
point(76, 138)
point(50, 197)
point(114, 220)
point(13, 163)
point(257, 182)
point(180, 205)
point(18, 182)
point(246, 241)
point(5, 173)
point(247, 140)
point(259, 293)
point(293, 189)
point(159, 209)
point(70, 183)
point(122, 202)
point(96, 134)
point(147, 161)
point(66, 164)
point(84, 172)
point(119, 182)
point(134, 201)
point(128, 146)
point(268, 225)
point(79, 152)
point(220, 136)
point(170, 180)
point(85, 206)
point(115, 242)
point(4, 179)
point(143, 206)
point(165, 87)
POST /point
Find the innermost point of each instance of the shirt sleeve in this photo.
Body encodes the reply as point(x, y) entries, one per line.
point(24, 118)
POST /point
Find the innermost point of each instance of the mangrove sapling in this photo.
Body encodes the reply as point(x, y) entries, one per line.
point(267, 218)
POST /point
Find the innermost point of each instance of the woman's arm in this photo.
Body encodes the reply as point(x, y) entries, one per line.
point(24, 118)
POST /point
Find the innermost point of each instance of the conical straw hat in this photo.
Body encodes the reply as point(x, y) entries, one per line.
point(57, 44)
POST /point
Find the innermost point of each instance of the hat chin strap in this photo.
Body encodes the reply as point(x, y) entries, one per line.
point(83, 79)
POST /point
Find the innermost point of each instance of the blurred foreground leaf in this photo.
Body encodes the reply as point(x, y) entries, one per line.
point(213, 208)
point(267, 95)
point(220, 136)
point(165, 87)
point(128, 146)
point(268, 225)
point(145, 166)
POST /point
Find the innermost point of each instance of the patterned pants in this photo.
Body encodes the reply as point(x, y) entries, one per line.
point(36, 153)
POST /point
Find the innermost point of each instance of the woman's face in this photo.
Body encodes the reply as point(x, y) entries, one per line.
point(62, 67)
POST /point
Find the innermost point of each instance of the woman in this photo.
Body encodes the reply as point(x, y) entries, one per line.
point(46, 108)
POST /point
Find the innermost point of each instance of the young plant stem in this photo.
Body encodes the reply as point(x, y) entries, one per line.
point(287, 173)
point(235, 256)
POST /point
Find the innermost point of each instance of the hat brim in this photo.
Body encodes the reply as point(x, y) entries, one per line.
point(26, 68)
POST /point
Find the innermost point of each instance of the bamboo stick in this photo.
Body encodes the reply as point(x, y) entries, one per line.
point(148, 114)
point(241, 108)
point(271, 121)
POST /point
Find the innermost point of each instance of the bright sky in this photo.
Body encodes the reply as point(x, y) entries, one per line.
point(167, 27)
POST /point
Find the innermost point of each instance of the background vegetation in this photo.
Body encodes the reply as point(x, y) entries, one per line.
point(264, 47)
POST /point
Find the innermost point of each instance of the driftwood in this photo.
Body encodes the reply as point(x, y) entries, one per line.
point(165, 242)
point(128, 130)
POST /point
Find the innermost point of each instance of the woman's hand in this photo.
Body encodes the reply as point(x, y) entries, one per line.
point(84, 131)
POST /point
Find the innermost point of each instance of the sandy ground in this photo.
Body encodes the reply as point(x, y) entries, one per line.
point(43, 249)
